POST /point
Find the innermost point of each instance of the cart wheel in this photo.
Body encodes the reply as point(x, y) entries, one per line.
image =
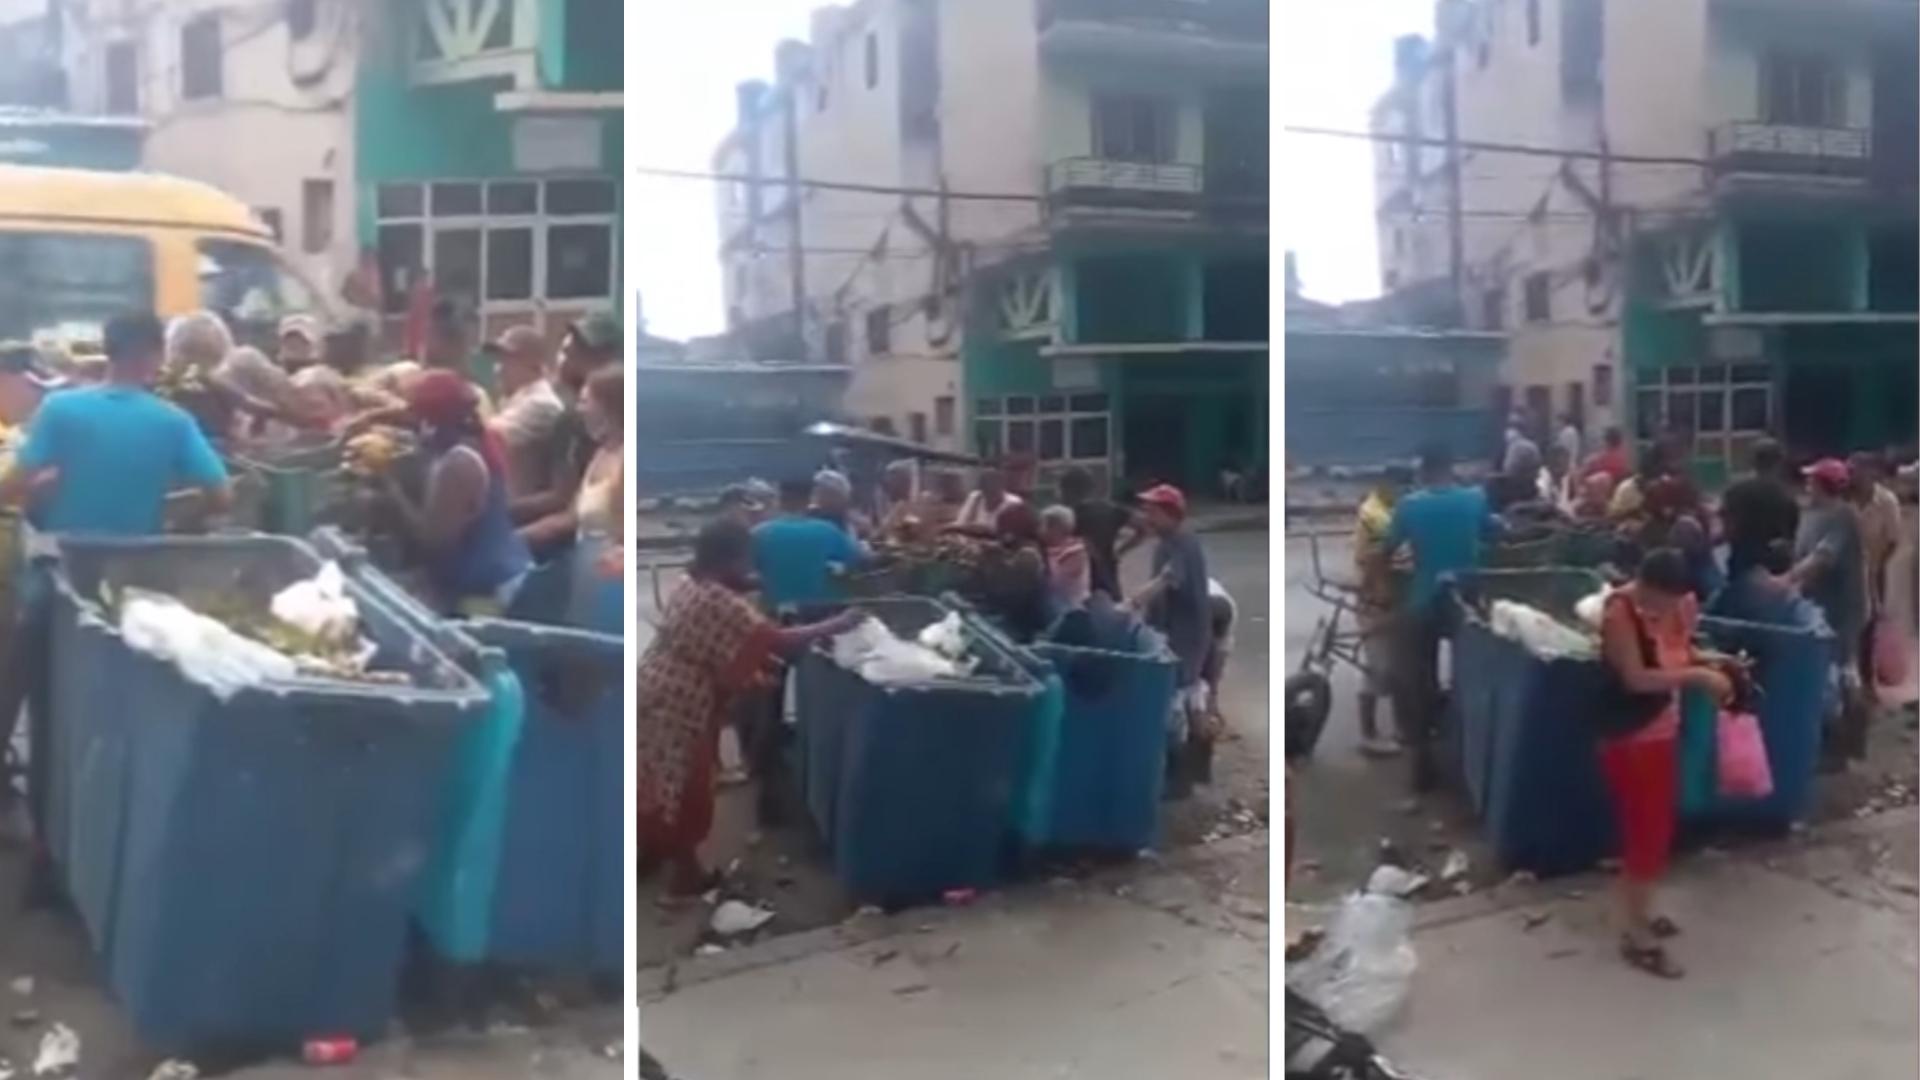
point(1308, 698)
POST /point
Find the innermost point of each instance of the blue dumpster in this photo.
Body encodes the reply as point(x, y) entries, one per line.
point(1794, 664)
point(529, 868)
point(1523, 730)
point(1111, 761)
point(914, 785)
point(247, 863)
point(558, 896)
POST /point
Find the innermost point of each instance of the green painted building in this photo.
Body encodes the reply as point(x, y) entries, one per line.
point(488, 146)
point(1132, 336)
point(1783, 303)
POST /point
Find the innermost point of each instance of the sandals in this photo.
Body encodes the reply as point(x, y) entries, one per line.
point(1652, 959)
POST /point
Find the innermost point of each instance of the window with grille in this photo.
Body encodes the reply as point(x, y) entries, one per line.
point(1057, 429)
point(1131, 127)
point(1726, 407)
point(1803, 89)
point(1539, 299)
point(503, 246)
point(879, 331)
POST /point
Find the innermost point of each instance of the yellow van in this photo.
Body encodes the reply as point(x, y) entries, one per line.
point(80, 246)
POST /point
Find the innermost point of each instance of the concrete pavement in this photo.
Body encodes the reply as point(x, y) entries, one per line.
point(1149, 973)
point(1803, 960)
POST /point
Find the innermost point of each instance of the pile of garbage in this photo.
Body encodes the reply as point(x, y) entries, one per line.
point(880, 656)
point(224, 640)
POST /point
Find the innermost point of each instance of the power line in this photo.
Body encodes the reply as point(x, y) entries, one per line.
point(836, 185)
point(1481, 146)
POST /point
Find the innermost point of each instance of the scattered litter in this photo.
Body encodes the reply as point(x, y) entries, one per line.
point(734, 918)
point(1364, 972)
point(1522, 877)
point(959, 897)
point(923, 928)
point(59, 1052)
point(868, 911)
point(1408, 807)
point(914, 988)
point(709, 949)
point(26, 1018)
point(1562, 954)
point(885, 956)
point(1303, 944)
point(7, 1071)
point(1307, 866)
point(1576, 894)
point(1534, 920)
point(500, 1029)
point(338, 1050)
point(1455, 867)
point(710, 897)
point(953, 950)
point(613, 1051)
point(23, 986)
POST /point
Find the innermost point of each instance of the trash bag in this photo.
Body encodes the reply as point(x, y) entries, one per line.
point(1744, 770)
point(1362, 973)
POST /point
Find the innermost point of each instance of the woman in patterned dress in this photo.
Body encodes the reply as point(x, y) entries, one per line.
point(713, 645)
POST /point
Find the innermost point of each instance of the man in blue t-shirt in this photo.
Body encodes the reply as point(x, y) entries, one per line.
point(102, 461)
point(797, 554)
point(1442, 524)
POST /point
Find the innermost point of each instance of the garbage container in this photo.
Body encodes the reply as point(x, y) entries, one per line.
point(1793, 661)
point(298, 481)
point(249, 860)
point(558, 893)
point(913, 784)
point(1522, 727)
point(1111, 762)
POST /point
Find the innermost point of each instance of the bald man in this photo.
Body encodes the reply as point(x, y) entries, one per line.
point(530, 410)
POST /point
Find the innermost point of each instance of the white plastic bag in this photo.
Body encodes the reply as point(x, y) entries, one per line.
point(948, 637)
point(204, 648)
point(319, 605)
point(1592, 608)
point(1540, 633)
point(872, 650)
point(1362, 973)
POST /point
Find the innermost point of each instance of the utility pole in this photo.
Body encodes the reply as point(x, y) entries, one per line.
point(796, 258)
point(1450, 120)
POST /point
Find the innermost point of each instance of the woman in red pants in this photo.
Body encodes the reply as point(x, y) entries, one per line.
point(1647, 638)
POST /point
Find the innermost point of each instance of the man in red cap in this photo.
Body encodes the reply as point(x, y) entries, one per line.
point(1176, 603)
point(1830, 569)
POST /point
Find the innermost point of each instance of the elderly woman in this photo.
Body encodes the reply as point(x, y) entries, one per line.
point(713, 646)
point(230, 391)
point(1069, 575)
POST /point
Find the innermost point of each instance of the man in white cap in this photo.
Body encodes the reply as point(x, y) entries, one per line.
point(299, 342)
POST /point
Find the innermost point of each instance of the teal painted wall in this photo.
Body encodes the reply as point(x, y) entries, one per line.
point(580, 44)
point(409, 132)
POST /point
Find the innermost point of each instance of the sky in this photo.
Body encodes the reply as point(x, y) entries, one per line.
point(1331, 62)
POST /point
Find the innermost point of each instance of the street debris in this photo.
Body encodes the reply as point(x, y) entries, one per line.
point(912, 989)
point(733, 918)
point(22, 986)
point(1304, 943)
point(59, 1052)
point(709, 949)
point(175, 1069)
point(1534, 920)
point(1562, 954)
point(7, 1071)
point(1456, 866)
point(25, 1018)
point(959, 897)
point(1363, 973)
point(885, 956)
point(338, 1050)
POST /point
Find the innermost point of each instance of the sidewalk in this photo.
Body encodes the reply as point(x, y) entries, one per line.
point(1161, 972)
point(1801, 961)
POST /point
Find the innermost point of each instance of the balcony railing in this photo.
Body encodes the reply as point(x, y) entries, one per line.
point(1099, 184)
point(1753, 147)
point(1235, 20)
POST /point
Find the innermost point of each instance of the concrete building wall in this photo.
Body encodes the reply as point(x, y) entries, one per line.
point(281, 118)
point(1737, 50)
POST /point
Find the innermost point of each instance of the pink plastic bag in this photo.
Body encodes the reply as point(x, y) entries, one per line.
point(1744, 772)
point(1892, 653)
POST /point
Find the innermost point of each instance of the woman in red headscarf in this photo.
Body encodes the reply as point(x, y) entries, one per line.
point(475, 557)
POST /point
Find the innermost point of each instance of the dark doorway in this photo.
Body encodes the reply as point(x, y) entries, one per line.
point(1155, 440)
point(1816, 406)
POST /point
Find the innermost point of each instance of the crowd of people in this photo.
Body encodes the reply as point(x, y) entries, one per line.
point(1832, 534)
point(769, 578)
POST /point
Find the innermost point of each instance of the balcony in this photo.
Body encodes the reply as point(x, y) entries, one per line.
point(1751, 149)
point(1134, 188)
point(1229, 33)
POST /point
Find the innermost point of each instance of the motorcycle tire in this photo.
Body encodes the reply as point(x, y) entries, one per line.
point(1307, 700)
